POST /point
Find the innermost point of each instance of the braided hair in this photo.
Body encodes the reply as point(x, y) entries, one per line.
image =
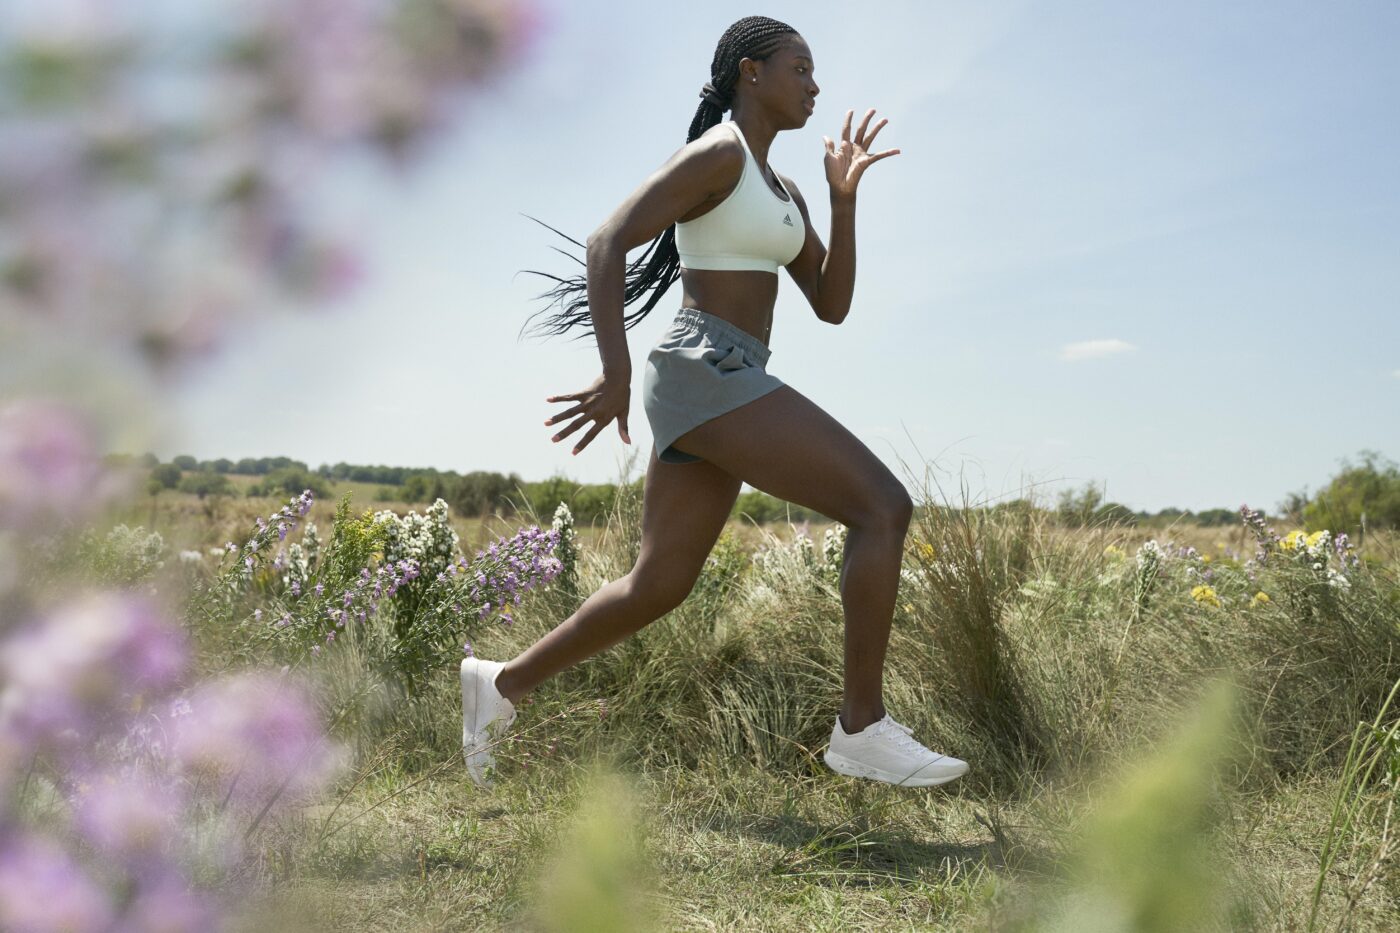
point(755, 37)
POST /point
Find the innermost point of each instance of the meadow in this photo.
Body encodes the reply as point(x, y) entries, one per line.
point(1189, 729)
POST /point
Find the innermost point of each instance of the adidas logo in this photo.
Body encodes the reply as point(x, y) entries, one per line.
point(787, 219)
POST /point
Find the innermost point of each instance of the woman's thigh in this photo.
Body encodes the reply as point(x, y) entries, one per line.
point(684, 508)
point(785, 445)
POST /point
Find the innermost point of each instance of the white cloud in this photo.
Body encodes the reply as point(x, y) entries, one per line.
point(1396, 373)
point(1092, 349)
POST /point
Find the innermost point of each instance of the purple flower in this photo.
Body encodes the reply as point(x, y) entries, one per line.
point(165, 902)
point(85, 660)
point(127, 815)
point(49, 462)
point(42, 888)
point(249, 733)
point(320, 588)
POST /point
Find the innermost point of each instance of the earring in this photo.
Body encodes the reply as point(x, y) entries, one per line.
point(754, 80)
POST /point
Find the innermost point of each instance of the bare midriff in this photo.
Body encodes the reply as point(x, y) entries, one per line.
point(744, 298)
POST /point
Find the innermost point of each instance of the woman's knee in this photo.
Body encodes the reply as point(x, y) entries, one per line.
point(889, 507)
point(657, 591)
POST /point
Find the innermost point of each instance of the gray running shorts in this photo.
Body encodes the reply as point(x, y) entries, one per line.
point(701, 367)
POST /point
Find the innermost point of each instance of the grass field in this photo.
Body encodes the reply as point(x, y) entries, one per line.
point(1153, 745)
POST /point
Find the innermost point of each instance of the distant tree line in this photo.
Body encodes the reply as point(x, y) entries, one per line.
point(1364, 495)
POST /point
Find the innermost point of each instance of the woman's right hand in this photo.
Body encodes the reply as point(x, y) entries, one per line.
point(601, 402)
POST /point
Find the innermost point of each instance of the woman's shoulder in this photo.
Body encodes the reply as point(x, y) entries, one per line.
point(719, 143)
point(716, 154)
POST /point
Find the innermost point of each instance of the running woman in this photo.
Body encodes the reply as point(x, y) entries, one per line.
point(720, 219)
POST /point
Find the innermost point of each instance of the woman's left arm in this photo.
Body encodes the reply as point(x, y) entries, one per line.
point(828, 276)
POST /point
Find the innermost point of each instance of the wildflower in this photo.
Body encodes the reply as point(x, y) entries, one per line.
point(91, 651)
point(256, 734)
point(1114, 552)
point(43, 888)
point(126, 815)
point(1260, 598)
point(1294, 540)
point(1150, 554)
point(1206, 595)
point(1337, 581)
point(467, 648)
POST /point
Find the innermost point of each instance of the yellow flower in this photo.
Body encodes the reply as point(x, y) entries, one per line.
point(1206, 558)
point(1260, 598)
point(1206, 595)
point(1114, 552)
point(1315, 537)
point(1294, 540)
point(908, 607)
point(926, 550)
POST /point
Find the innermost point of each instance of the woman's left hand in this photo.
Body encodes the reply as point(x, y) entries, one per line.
point(845, 163)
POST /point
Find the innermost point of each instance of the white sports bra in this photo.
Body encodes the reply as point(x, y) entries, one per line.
point(752, 228)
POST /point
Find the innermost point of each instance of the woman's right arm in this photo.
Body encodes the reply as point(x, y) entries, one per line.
point(699, 171)
point(696, 173)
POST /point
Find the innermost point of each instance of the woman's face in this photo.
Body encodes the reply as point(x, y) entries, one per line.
point(785, 84)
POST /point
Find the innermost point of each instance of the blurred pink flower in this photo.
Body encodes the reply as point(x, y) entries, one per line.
point(129, 815)
point(43, 890)
point(49, 462)
point(82, 663)
point(256, 735)
point(166, 904)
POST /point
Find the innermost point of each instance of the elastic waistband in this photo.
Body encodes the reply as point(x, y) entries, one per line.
point(694, 318)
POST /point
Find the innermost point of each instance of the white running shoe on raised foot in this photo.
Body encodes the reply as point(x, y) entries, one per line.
point(486, 715)
point(887, 751)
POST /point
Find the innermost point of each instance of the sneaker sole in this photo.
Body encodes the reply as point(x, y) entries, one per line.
point(843, 765)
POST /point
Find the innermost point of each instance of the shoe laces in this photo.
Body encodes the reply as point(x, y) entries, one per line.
point(902, 735)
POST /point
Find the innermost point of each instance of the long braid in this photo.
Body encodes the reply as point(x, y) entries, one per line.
point(657, 269)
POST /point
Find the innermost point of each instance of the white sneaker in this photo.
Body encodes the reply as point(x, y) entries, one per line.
point(887, 751)
point(486, 715)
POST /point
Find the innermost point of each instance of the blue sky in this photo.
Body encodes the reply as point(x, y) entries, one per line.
point(1152, 245)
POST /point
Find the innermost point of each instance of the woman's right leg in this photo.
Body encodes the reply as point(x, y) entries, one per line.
point(684, 509)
